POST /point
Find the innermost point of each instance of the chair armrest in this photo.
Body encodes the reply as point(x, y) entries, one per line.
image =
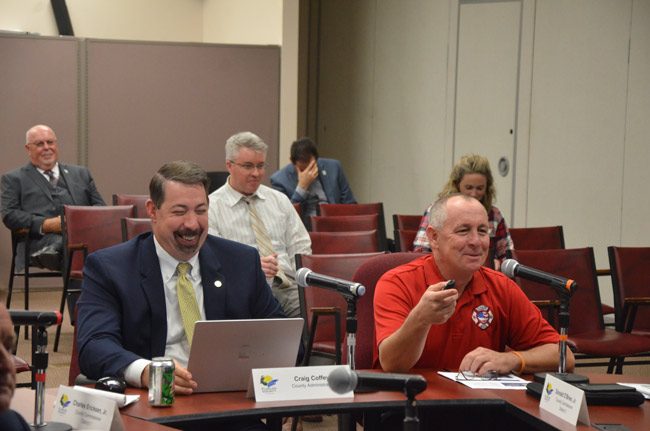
point(630, 306)
point(76, 246)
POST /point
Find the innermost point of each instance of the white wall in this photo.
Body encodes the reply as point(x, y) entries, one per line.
point(387, 72)
point(252, 22)
point(162, 20)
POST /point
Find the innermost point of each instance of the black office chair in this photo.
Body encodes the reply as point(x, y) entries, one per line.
point(17, 237)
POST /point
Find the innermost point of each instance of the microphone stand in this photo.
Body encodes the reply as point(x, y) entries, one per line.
point(346, 421)
point(39, 365)
point(564, 335)
point(351, 329)
point(411, 420)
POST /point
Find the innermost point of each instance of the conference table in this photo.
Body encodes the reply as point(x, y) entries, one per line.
point(445, 404)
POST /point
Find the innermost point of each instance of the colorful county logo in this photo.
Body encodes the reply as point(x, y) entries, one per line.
point(548, 390)
point(268, 384)
point(268, 381)
point(64, 401)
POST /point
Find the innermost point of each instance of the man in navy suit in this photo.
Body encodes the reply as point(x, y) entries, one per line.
point(129, 309)
point(310, 180)
point(33, 196)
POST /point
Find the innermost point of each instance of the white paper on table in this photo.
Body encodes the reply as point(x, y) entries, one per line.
point(508, 381)
point(121, 399)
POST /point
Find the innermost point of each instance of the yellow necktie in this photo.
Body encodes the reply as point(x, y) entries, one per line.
point(263, 240)
point(187, 300)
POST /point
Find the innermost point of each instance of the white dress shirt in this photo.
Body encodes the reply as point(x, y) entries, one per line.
point(176, 345)
point(228, 218)
point(55, 171)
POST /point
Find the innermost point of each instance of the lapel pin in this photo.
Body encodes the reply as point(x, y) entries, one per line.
point(324, 172)
point(218, 283)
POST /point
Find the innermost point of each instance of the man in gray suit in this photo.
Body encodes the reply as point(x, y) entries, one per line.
point(33, 197)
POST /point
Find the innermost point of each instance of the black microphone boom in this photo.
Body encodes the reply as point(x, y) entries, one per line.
point(512, 269)
point(35, 318)
point(306, 277)
point(343, 379)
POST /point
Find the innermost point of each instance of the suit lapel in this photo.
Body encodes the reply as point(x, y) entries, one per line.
point(72, 184)
point(326, 182)
point(39, 180)
point(214, 285)
point(152, 284)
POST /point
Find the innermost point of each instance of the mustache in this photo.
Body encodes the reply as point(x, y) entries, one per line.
point(189, 232)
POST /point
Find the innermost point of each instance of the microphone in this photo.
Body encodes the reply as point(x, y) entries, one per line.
point(306, 277)
point(343, 379)
point(512, 268)
point(35, 318)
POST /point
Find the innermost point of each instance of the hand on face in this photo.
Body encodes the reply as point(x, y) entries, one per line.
point(307, 174)
point(436, 305)
point(7, 370)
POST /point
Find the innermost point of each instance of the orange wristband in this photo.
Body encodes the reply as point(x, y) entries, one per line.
point(523, 361)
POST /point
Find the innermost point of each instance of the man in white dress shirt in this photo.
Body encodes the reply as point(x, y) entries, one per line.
point(247, 211)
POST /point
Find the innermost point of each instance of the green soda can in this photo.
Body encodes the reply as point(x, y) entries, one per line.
point(161, 382)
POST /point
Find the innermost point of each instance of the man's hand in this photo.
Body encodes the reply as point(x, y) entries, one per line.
point(436, 305)
point(183, 383)
point(481, 361)
point(52, 225)
point(307, 175)
point(270, 265)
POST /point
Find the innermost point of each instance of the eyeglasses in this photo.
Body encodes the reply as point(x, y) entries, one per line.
point(249, 167)
point(41, 144)
point(468, 375)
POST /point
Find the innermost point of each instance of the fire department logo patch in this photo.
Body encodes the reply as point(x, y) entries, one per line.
point(482, 316)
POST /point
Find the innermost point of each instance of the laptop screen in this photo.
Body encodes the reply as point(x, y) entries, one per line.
point(224, 352)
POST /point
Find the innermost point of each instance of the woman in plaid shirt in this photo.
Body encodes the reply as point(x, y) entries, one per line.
point(472, 176)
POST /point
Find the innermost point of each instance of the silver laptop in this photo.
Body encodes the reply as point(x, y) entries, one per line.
point(224, 352)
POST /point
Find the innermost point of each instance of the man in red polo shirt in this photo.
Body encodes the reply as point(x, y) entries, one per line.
point(484, 324)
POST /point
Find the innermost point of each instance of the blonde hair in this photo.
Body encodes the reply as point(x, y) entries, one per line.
point(471, 164)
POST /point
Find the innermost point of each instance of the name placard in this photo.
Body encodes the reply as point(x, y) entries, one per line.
point(564, 401)
point(293, 383)
point(83, 410)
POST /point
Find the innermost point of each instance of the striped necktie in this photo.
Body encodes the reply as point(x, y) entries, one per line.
point(52, 178)
point(262, 238)
point(187, 300)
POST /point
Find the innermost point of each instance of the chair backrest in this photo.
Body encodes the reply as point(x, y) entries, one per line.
point(132, 227)
point(368, 274)
point(335, 265)
point(344, 242)
point(406, 221)
point(537, 238)
point(577, 264)
point(138, 201)
point(217, 179)
point(630, 267)
point(90, 228)
point(404, 239)
point(358, 209)
point(298, 208)
point(345, 223)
